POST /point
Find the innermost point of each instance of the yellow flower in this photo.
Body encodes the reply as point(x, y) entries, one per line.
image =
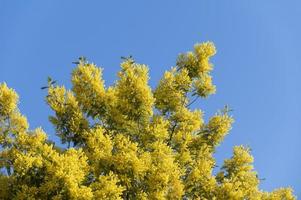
point(127, 141)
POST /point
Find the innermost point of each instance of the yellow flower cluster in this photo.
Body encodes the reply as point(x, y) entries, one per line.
point(69, 120)
point(135, 99)
point(106, 187)
point(127, 141)
point(171, 91)
point(8, 100)
point(12, 122)
point(88, 88)
point(199, 67)
point(217, 128)
point(238, 180)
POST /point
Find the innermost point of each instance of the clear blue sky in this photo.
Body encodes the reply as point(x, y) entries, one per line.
point(257, 67)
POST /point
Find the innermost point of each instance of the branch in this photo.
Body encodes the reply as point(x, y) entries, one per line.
point(196, 98)
point(172, 132)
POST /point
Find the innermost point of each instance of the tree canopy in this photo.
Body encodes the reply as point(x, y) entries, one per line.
point(128, 140)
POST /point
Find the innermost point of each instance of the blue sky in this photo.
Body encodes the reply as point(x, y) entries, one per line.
point(257, 67)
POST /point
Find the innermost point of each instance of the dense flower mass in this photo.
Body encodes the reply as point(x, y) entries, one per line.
point(127, 141)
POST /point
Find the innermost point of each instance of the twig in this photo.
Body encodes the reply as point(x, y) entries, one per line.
point(196, 98)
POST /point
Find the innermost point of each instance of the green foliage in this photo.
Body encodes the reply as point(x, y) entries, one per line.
point(127, 141)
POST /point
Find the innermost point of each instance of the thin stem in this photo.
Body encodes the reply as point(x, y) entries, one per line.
point(172, 132)
point(196, 98)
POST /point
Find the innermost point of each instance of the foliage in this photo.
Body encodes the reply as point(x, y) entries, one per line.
point(127, 141)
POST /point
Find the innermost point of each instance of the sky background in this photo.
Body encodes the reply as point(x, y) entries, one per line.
point(257, 66)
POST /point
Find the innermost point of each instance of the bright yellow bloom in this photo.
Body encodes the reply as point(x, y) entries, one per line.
point(8, 100)
point(127, 141)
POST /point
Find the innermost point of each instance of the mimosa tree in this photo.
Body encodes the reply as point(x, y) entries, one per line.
point(128, 140)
